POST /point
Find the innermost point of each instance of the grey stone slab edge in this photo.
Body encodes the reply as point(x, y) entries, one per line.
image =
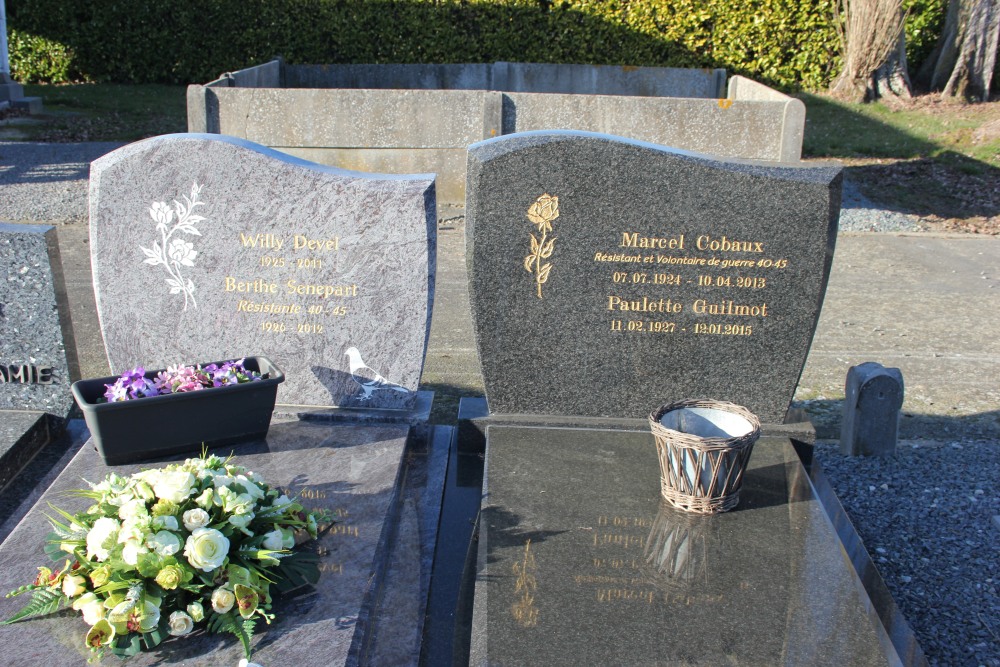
point(474, 418)
point(18, 451)
point(422, 485)
point(896, 634)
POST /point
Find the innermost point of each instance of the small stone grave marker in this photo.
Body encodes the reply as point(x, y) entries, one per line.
point(873, 397)
point(609, 276)
point(207, 247)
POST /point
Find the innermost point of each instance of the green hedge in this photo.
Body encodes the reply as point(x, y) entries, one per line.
point(790, 44)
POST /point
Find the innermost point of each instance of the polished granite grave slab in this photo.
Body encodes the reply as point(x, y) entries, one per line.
point(581, 563)
point(382, 495)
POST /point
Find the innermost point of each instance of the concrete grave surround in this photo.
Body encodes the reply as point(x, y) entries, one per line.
point(609, 276)
point(36, 374)
point(330, 273)
point(400, 118)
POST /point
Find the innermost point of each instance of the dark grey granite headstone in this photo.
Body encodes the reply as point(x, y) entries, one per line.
point(873, 395)
point(580, 563)
point(609, 276)
point(34, 371)
point(384, 533)
point(206, 247)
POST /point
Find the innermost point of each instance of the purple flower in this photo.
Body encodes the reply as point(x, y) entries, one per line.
point(134, 384)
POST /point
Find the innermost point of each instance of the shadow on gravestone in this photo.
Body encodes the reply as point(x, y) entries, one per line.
point(37, 355)
point(237, 249)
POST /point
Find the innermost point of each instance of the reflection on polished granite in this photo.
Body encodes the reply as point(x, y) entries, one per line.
point(381, 493)
point(581, 563)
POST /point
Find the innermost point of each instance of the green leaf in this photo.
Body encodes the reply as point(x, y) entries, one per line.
point(127, 646)
point(232, 623)
point(301, 568)
point(43, 602)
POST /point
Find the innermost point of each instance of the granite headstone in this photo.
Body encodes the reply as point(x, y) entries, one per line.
point(207, 247)
point(608, 276)
point(34, 368)
point(37, 354)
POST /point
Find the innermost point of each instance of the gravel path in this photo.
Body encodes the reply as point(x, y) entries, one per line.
point(930, 519)
point(46, 182)
point(928, 516)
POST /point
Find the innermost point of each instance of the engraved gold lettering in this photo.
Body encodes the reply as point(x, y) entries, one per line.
point(301, 242)
point(633, 240)
point(322, 291)
point(703, 307)
point(257, 286)
point(705, 242)
point(261, 241)
point(332, 568)
point(247, 306)
point(643, 305)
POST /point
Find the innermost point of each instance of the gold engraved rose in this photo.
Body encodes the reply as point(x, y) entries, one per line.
point(524, 610)
point(541, 214)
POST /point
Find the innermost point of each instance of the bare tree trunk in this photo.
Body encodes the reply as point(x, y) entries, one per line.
point(963, 62)
point(873, 45)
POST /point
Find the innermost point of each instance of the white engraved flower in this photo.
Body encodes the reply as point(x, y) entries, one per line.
point(161, 213)
point(182, 252)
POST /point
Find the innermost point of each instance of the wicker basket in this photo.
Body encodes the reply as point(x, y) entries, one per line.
point(703, 447)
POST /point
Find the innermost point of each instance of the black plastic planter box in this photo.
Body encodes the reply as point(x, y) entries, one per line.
point(147, 428)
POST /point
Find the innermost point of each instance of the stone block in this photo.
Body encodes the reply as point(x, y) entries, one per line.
point(873, 396)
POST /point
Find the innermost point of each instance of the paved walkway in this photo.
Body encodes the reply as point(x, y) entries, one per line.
point(927, 304)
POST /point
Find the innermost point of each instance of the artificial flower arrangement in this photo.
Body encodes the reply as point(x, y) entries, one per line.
point(133, 383)
point(167, 550)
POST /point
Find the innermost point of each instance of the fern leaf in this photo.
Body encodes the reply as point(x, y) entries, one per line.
point(43, 602)
point(228, 623)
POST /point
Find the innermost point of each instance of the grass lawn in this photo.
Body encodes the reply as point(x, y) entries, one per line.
point(106, 112)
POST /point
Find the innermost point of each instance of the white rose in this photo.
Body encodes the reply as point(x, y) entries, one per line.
point(104, 531)
point(73, 585)
point(196, 518)
point(164, 543)
point(281, 501)
point(174, 485)
point(196, 611)
point(223, 600)
point(274, 540)
point(206, 500)
point(252, 489)
point(131, 552)
point(91, 606)
point(246, 663)
point(133, 509)
point(180, 624)
point(166, 522)
point(206, 549)
point(241, 521)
